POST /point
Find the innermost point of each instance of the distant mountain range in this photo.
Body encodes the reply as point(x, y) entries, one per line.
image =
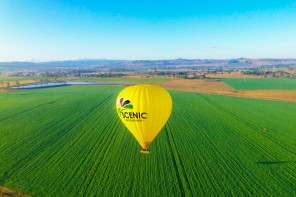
point(84, 62)
point(120, 65)
point(173, 62)
point(214, 62)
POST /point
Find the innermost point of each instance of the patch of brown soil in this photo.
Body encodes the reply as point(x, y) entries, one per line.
point(14, 83)
point(282, 95)
point(136, 76)
point(5, 192)
point(140, 76)
point(221, 88)
point(208, 86)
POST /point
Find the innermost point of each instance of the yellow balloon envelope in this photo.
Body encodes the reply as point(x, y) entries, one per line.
point(144, 109)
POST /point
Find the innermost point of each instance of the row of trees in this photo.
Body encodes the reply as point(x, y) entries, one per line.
point(103, 75)
point(274, 74)
point(180, 74)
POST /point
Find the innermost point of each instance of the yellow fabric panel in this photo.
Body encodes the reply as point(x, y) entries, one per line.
point(144, 109)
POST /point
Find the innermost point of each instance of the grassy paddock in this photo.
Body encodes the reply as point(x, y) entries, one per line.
point(68, 141)
point(261, 84)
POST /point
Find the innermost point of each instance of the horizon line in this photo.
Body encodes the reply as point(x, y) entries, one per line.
point(111, 59)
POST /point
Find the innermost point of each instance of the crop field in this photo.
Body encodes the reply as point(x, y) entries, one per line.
point(8, 79)
point(68, 141)
point(261, 84)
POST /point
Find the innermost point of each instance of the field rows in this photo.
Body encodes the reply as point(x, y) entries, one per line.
point(69, 142)
point(261, 83)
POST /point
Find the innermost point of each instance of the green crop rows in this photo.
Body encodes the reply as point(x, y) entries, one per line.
point(261, 84)
point(68, 141)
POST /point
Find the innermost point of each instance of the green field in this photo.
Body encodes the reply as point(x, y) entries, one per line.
point(15, 78)
point(261, 84)
point(68, 141)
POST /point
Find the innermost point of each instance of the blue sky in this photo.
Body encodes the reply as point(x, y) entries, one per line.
point(56, 30)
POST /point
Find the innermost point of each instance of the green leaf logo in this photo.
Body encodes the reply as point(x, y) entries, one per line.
point(125, 104)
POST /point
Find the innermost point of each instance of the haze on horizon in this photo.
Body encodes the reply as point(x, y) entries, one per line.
point(57, 30)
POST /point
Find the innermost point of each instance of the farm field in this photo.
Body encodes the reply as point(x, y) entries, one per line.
point(261, 84)
point(198, 85)
point(68, 141)
point(6, 79)
point(137, 79)
point(15, 83)
point(219, 87)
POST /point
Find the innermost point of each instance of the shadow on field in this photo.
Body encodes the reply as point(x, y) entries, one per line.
point(271, 162)
point(2, 181)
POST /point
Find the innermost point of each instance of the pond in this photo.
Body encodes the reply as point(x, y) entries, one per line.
point(67, 83)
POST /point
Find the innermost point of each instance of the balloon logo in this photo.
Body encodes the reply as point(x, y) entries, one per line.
point(144, 110)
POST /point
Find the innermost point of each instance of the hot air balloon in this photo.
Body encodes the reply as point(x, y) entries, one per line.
point(144, 109)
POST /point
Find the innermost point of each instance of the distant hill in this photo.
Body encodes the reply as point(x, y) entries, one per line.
point(102, 64)
point(197, 62)
point(85, 62)
point(216, 62)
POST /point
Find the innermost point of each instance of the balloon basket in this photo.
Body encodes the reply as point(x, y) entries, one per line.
point(145, 151)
